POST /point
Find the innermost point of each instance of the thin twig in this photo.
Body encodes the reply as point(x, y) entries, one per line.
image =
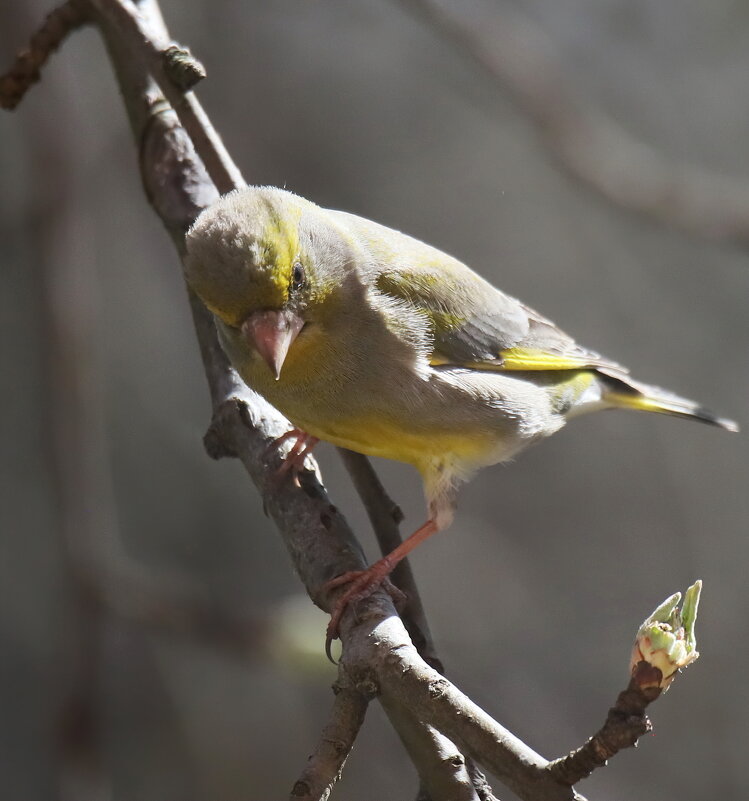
point(589, 145)
point(27, 67)
point(479, 781)
point(625, 723)
point(326, 762)
point(150, 46)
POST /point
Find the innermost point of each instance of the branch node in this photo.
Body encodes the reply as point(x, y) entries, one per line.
point(182, 68)
point(368, 688)
point(26, 69)
point(438, 687)
point(216, 445)
point(300, 790)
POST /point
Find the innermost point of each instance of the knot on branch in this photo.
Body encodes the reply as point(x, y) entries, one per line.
point(26, 69)
point(368, 688)
point(397, 514)
point(217, 440)
point(301, 790)
point(438, 687)
point(182, 68)
point(216, 445)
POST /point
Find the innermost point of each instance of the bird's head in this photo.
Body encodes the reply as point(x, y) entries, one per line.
point(253, 262)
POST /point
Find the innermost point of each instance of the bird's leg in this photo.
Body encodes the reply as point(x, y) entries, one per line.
point(363, 583)
point(302, 447)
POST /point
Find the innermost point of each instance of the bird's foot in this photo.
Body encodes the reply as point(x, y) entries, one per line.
point(362, 583)
point(294, 460)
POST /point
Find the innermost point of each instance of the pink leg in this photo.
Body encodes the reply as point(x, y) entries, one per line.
point(362, 583)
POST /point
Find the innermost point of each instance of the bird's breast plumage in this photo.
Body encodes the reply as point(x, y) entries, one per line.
point(464, 418)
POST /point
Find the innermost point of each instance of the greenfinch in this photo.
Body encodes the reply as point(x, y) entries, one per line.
point(374, 341)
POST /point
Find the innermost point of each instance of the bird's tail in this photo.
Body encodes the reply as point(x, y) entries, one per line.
point(622, 392)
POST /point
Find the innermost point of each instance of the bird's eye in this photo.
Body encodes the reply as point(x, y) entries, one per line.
point(297, 276)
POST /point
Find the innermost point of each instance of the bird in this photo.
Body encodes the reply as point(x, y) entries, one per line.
point(374, 341)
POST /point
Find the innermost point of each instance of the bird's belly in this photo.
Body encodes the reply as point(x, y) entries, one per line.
point(404, 442)
point(453, 417)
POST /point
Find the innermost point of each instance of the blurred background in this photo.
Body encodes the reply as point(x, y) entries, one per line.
point(139, 580)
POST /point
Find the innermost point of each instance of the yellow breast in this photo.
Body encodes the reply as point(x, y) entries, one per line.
point(406, 441)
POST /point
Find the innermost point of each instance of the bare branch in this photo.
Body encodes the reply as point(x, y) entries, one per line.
point(443, 772)
point(625, 723)
point(27, 67)
point(480, 783)
point(376, 653)
point(148, 44)
point(588, 145)
point(324, 766)
point(229, 415)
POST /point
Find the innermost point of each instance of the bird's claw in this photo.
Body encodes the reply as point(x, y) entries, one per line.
point(362, 584)
point(294, 460)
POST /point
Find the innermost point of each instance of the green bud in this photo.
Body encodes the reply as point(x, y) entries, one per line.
point(666, 639)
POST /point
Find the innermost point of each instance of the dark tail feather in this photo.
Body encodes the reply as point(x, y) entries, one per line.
point(622, 392)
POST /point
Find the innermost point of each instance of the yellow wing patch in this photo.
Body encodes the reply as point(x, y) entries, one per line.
point(529, 359)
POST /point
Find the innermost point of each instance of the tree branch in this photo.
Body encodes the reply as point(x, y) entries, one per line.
point(441, 765)
point(27, 67)
point(587, 144)
point(324, 766)
point(443, 771)
point(149, 44)
point(625, 723)
point(376, 653)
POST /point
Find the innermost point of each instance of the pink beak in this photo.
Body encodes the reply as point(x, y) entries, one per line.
point(271, 334)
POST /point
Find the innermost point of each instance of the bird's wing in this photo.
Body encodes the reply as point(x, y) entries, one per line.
point(476, 325)
point(473, 324)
